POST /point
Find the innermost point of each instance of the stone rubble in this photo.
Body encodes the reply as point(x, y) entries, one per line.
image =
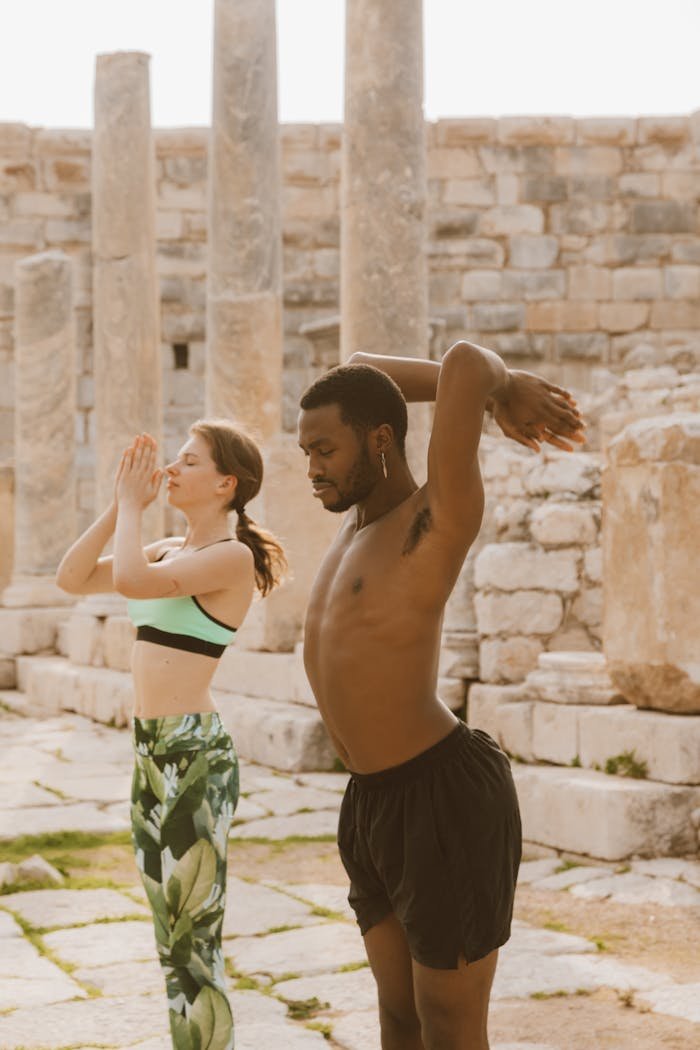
point(296, 941)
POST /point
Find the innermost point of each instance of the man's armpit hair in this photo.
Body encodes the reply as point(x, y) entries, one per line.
point(421, 524)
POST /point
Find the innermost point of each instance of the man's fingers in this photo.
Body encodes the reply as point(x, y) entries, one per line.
point(558, 442)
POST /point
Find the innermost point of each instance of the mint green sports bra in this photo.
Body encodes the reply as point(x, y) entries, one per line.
point(180, 623)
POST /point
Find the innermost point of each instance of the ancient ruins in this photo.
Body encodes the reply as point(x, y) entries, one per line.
point(147, 277)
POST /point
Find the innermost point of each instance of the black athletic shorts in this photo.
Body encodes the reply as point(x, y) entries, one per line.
point(436, 841)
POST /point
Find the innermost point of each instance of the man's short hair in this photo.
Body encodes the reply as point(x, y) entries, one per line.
point(366, 397)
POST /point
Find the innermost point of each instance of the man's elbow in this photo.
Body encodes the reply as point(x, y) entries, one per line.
point(359, 358)
point(465, 358)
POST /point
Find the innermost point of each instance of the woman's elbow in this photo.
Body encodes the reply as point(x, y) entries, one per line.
point(64, 583)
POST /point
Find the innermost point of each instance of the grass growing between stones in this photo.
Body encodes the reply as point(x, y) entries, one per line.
point(319, 1026)
point(561, 993)
point(327, 913)
point(53, 844)
point(626, 764)
point(52, 790)
point(567, 865)
point(303, 1009)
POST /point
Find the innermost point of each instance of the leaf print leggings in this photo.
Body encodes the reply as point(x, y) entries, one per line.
point(183, 797)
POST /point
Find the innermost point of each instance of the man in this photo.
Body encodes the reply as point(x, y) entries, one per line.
point(429, 827)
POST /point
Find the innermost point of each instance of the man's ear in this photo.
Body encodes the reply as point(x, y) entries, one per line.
point(384, 438)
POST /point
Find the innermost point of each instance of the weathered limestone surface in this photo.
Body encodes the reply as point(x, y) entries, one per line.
point(383, 272)
point(607, 817)
point(572, 678)
point(127, 368)
point(45, 409)
point(244, 290)
point(7, 519)
point(651, 491)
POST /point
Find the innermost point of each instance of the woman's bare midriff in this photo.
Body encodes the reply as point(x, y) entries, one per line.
point(170, 681)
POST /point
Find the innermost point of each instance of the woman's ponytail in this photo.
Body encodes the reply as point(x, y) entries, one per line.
point(269, 557)
point(234, 452)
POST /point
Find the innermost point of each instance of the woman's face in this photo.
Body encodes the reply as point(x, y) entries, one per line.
point(193, 478)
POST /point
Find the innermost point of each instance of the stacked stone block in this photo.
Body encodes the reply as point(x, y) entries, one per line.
point(538, 587)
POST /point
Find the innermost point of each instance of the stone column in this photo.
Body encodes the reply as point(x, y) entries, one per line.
point(244, 283)
point(383, 198)
point(244, 294)
point(651, 578)
point(125, 290)
point(383, 287)
point(45, 407)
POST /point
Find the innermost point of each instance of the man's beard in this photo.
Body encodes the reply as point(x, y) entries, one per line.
point(358, 485)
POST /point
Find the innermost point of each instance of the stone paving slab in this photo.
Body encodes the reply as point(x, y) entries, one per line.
point(124, 978)
point(524, 1046)
point(248, 810)
point(532, 870)
point(669, 868)
point(94, 1021)
point(21, 795)
point(311, 950)
point(36, 990)
point(630, 888)
point(102, 788)
point(306, 825)
point(347, 991)
point(566, 974)
point(27, 978)
point(571, 877)
point(527, 939)
point(678, 1000)
point(101, 943)
point(18, 761)
point(358, 1031)
point(288, 799)
point(8, 928)
point(253, 909)
point(77, 816)
point(44, 908)
point(322, 895)
point(325, 781)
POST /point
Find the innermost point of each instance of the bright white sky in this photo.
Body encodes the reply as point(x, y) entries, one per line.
point(490, 57)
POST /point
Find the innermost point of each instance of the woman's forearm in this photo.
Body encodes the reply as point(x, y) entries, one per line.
point(130, 563)
point(80, 560)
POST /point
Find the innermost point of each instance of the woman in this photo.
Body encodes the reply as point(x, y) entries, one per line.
point(187, 596)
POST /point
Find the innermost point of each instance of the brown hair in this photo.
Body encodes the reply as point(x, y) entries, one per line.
point(234, 452)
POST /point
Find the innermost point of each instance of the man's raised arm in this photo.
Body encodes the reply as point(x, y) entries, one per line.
point(527, 407)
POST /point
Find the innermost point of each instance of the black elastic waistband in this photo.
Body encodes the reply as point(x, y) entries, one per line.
point(146, 633)
point(416, 766)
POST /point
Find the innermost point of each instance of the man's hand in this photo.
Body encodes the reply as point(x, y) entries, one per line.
point(138, 481)
point(531, 410)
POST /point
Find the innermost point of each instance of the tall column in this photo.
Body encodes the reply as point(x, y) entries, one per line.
point(383, 287)
point(125, 289)
point(383, 272)
point(45, 407)
point(244, 284)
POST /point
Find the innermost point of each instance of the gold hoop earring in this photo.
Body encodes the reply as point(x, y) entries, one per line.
point(382, 457)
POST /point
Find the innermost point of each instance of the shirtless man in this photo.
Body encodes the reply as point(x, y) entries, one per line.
point(429, 828)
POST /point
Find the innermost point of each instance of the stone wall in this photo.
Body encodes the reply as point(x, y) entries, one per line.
point(538, 582)
point(562, 243)
point(536, 577)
